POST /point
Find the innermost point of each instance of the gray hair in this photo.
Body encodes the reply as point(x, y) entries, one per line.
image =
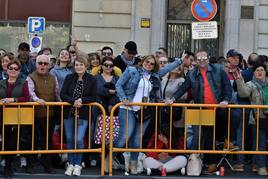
point(39, 57)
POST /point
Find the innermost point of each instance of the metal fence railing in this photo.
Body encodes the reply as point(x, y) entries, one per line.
point(22, 116)
point(195, 115)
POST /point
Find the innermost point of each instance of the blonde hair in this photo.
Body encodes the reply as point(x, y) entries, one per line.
point(156, 66)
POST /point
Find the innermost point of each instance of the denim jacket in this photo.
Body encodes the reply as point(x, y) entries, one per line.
point(128, 83)
point(217, 78)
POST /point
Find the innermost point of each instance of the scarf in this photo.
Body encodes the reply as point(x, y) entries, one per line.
point(127, 62)
point(260, 85)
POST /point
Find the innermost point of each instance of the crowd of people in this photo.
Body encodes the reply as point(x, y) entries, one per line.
point(79, 78)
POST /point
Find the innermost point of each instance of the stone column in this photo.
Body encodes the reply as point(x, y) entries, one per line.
point(232, 24)
point(158, 24)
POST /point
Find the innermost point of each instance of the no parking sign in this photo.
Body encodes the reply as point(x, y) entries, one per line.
point(204, 10)
point(35, 43)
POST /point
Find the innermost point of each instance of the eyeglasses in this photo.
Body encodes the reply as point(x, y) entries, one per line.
point(72, 52)
point(13, 68)
point(202, 58)
point(107, 54)
point(163, 62)
point(43, 63)
point(108, 65)
point(150, 63)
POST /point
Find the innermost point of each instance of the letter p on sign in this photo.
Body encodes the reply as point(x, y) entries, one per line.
point(36, 25)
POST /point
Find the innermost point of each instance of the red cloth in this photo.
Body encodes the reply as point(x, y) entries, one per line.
point(209, 97)
point(159, 145)
point(26, 94)
point(230, 76)
point(56, 141)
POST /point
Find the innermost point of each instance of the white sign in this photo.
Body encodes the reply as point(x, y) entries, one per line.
point(36, 25)
point(35, 44)
point(204, 30)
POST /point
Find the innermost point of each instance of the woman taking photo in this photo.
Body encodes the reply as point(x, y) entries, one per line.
point(12, 89)
point(138, 84)
point(78, 88)
point(106, 95)
point(106, 80)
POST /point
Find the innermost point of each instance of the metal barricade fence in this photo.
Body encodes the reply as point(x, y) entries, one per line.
point(20, 115)
point(195, 115)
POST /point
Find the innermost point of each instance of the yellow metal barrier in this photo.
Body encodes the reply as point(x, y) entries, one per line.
point(200, 117)
point(23, 114)
point(192, 117)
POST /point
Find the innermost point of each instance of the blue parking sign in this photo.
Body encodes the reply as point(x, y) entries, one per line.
point(36, 25)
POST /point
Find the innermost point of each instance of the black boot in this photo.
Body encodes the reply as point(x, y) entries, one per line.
point(30, 166)
point(8, 172)
point(47, 164)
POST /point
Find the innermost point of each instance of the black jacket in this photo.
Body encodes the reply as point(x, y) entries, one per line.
point(88, 96)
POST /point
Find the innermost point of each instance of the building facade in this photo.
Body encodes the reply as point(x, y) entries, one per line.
point(242, 24)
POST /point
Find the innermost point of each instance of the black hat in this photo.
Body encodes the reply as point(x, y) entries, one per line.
point(232, 53)
point(24, 45)
point(131, 47)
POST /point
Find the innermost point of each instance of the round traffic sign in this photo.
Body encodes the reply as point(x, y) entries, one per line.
point(204, 10)
point(36, 42)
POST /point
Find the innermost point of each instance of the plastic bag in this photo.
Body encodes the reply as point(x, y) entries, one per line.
point(194, 165)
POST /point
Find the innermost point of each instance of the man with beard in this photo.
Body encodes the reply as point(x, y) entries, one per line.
point(27, 64)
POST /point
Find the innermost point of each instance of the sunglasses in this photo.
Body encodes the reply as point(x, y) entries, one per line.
point(13, 68)
point(108, 65)
point(107, 54)
point(150, 63)
point(43, 63)
point(163, 62)
point(159, 52)
point(72, 52)
point(202, 58)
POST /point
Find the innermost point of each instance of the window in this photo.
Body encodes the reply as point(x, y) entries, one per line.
point(247, 12)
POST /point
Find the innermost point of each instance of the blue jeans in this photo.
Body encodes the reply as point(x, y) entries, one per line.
point(69, 127)
point(133, 132)
point(259, 160)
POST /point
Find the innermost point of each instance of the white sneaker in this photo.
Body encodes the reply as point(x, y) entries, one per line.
point(69, 170)
point(148, 171)
point(77, 170)
point(23, 162)
point(3, 163)
point(183, 171)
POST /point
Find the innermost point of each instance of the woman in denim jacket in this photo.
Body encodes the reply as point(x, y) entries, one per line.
point(139, 84)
